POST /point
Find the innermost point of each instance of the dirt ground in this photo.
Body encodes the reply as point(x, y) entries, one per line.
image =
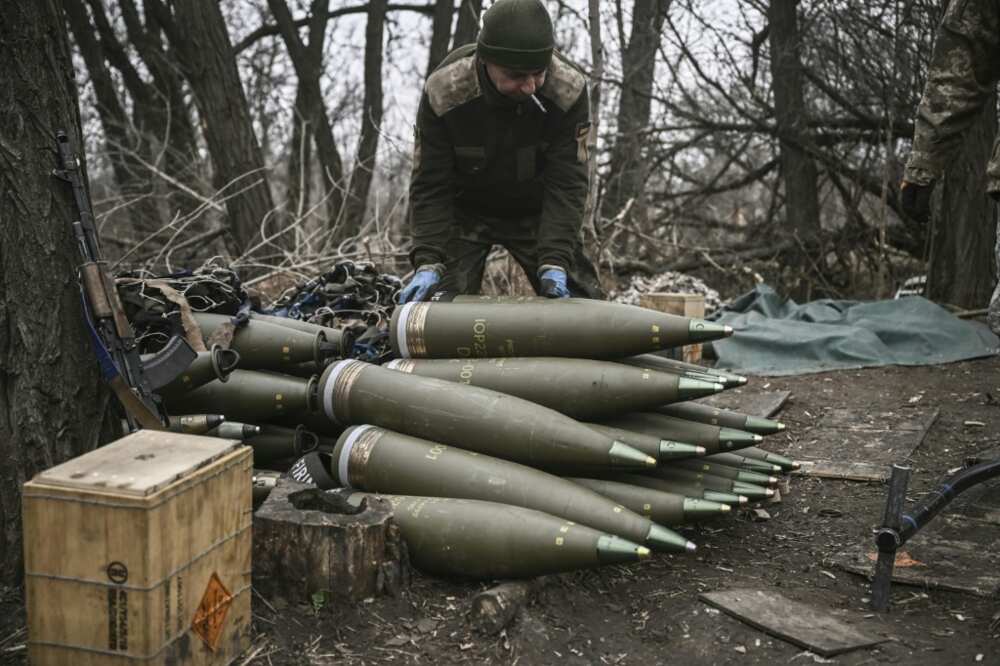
point(649, 613)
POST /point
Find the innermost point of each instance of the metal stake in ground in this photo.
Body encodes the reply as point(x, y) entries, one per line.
point(887, 538)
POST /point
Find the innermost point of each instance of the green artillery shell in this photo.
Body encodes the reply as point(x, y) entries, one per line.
point(206, 367)
point(264, 482)
point(725, 472)
point(678, 487)
point(712, 482)
point(194, 424)
point(657, 362)
point(476, 539)
point(354, 392)
point(713, 438)
point(250, 395)
point(661, 449)
point(234, 430)
point(379, 460)
point(786, 464)
point(266, 346)
point(605, 330)
point(280, 443)
point(304, 370)
point(341, 340)
point(576, 387)
point(695, 411)
point(660, 507)
point(737, 461)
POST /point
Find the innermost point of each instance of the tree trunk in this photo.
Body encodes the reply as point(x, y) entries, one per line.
point(597, 57)
point(371, 121)
point(133, 179)
point(467, 27)
point(51, 400)
point(299, 159)
point(165, 116)
point(159, 114)
point(798, 170)
point(197, 32)
point(629, 161)
point(310, 109)
point(440, 34)
point(963, 223)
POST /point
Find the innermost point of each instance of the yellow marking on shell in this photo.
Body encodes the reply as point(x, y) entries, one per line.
point(618, 509)
point(647, 507)
point(645, 374)
point(285, 349)
point(564, 529)
point(655, 328)
point(559, 541)
point(705, 468)
point(570, 522)
point(656, 339)
point(279, 396)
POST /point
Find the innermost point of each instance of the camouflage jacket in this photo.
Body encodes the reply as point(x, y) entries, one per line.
point(963, 74)
point(489, 155)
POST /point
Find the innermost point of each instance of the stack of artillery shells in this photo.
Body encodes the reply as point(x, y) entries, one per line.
point(514, 437)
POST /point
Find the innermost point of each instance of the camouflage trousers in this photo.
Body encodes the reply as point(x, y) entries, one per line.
point(474, 237)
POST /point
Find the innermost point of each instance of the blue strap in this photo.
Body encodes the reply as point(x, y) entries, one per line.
point(108, 368)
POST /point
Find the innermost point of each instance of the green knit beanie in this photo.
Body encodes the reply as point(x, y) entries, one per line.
point(517, 34)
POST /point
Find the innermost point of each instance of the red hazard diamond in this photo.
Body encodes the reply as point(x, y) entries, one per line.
point(210, 618)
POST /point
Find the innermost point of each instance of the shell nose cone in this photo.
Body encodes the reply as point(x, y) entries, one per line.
point(662, 539)
point(670, 450)
point(612, 549)
point(623, 455)
point(688, 389)
point(739, 438)
point(700, 330)
point(690, 547)
point(762, 426)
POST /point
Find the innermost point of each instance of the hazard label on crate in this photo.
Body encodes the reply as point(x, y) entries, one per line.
point(210, 617)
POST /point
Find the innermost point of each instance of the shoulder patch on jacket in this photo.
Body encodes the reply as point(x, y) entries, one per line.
point(453, 85)
point(564, 82)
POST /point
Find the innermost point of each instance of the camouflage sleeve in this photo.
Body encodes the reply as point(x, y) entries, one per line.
point(565, 179)
point(963, 73)
point(431, 187)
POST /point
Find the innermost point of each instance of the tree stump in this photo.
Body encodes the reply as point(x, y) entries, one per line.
point(307, 542)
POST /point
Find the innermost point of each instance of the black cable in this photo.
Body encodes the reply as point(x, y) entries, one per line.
point(945, 493)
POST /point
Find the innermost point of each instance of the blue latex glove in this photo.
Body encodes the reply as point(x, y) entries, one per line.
point(553, 281)
point(419, 287)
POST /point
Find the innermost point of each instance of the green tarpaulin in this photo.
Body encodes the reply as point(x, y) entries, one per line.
point(779, 337)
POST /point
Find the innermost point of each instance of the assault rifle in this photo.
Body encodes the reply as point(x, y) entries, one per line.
point(132, 379)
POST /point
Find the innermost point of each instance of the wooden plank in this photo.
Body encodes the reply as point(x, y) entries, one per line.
point(792, 621)
point(951, 553)
point(827, 469)
point(859, 445)
point(138, 464)
point(749, 401)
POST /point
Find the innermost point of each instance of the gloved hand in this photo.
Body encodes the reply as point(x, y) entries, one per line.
point(553, 279)
point(916, 200)
point(420, 285)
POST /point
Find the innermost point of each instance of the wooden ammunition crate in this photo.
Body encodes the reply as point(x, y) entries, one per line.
point(139, 553)
point(685, 305)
